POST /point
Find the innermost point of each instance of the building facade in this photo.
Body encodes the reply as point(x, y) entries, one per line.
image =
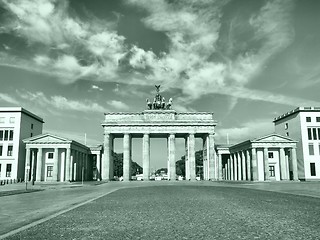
point(268, 158)
point(303, 125)
point(16, 123)
point(51, 158)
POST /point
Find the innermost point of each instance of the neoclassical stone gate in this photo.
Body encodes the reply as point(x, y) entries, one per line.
point(160, 121)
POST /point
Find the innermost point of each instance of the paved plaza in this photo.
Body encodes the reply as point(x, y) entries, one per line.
point(162, 210)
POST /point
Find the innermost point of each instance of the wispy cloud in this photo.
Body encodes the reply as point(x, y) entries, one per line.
point(118, 105)
point(7, 98)
point(95, 87)
point(60, 102)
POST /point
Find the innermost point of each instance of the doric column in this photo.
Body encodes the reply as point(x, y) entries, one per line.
point(146, 156)
point(294, 164)
point(172, 156)
point(33, 169)
point(283, 175)
point(107, 161)
point(249, 175)
point(55, 171)
point(239, 166)
point(68, 156)
point(266, 164)
point(205, 157)
point(235, 167)
point(98, 165)
point(27, 164)
point(219, 167)
point(255, 176)
point(228, 169)
point(211, 156)
point(62, 175)
point(244, 172)
point(126, 157)
point(231, 166)
point(39, 165)
point(191, 156)
point(187, 165)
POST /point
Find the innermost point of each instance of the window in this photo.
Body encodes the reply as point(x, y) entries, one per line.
point(287, 134)
point(1, 147)
point(10, 148)
point(286, 126)
point(314, 133)
point(313, 169)
point(6, 135)
point(270, 154)
point(31, 134)
point(8, 170)
point(1, 135)
point(272, 171)
point(50, 155)
point(0, 170)
point(10, 135)
point(311, 149)
point(11, 120)
point(2, 119)
point(308, 119)
point(317, 119)
point(31, 125)
point(49, 171)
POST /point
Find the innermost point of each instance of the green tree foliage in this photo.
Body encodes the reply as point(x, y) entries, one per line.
point(118, 165)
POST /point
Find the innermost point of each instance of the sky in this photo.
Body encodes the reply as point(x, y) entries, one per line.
point(247, 61)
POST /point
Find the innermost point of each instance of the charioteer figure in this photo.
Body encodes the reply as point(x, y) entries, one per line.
point(159, 102)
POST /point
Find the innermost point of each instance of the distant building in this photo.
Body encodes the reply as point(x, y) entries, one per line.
point(53, 158)
point(303, 125)
point(16, 123)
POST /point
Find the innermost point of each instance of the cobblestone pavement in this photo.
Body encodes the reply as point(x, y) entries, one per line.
point(26, 210)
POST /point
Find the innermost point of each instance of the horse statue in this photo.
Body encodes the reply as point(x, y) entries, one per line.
point(169, 104)
point(149, 104)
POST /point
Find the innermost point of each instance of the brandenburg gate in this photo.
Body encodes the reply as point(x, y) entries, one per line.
point(159, 120)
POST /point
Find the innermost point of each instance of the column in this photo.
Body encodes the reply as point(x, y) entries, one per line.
point(294, 164)
point(33, 156)
point(68, 156)
point(27, 164)
point(228, 169)
point(39, 165)
point(98, 165)
point(126, 157)
point(187, 165)
point(107, 157)
point(283, 175)
point(239, 166)
point(254, 164)
point(244, 172)
point(146, 156)
point(172, 156)
point(231, 166)
point(55, 171)
point(205, 158)
point(235, 167)
point(219, 167)
point(266, 164)
point(248, 166)
point(191, 156)
point(62, 167)
point(211, 156)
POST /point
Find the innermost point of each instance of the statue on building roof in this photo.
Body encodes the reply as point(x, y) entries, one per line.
point(159, 102)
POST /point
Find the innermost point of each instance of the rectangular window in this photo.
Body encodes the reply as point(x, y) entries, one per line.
point(1, 135)
point(31, 125)
point(31, 134)
point(11, 120)
point(10, 135)
point(1, 147)
point(313, 169)
point(50, 155)
point(308, 119)
point(314, 131)
point(309, 134)
point(311, 149)
point(317, 119)
point(8, 170)
point(6, 135)
point(286, 125)
point(270, 154)
point(10, 148)
point(2, 119)
point(49, 171)
point(272, 171)
point(287, 134)
point(318, 133)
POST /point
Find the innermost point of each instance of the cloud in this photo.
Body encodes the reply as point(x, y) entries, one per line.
point(118, 105)
point(60, 102)
point(7, 98)
point(95, 87)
